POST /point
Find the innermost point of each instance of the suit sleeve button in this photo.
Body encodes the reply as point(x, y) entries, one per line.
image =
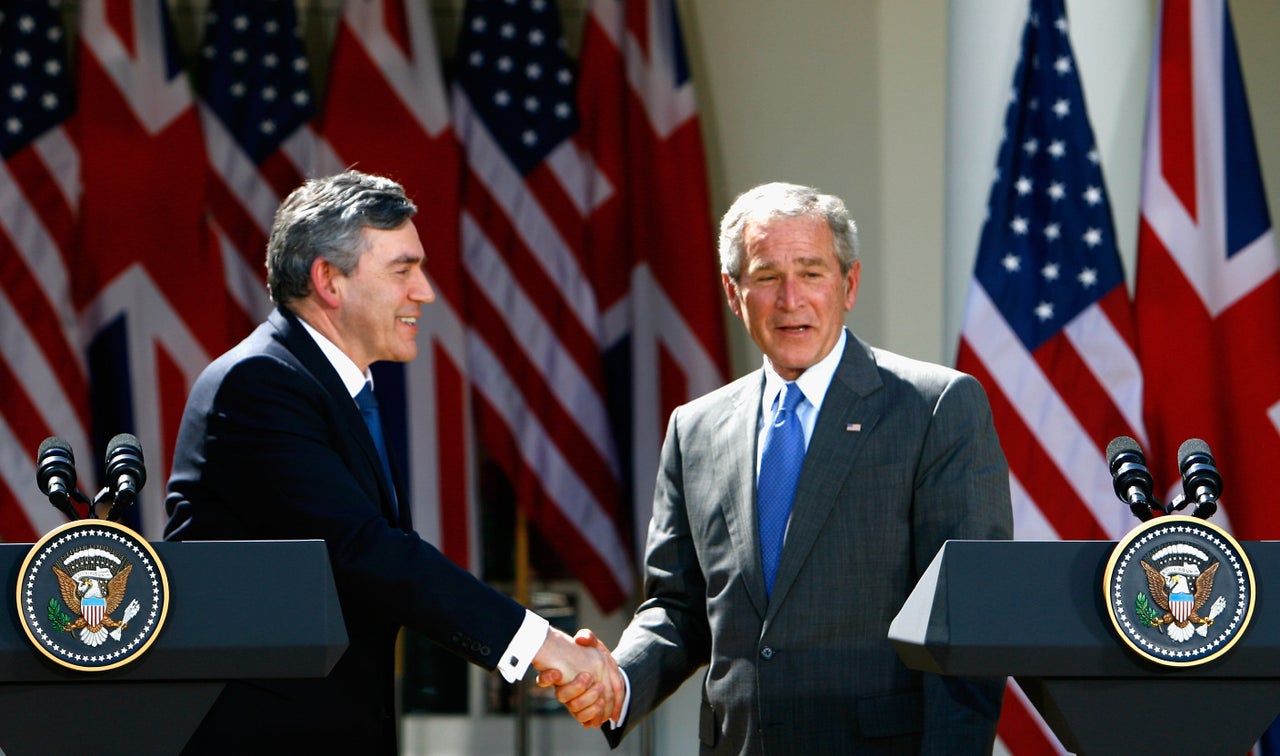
point(766, 653)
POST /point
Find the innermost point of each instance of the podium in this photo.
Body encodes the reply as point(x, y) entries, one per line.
point(1036, 611)
point(237, 609)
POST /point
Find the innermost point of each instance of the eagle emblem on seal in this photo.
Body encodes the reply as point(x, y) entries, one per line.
point(1181, 596)
point(93, 595)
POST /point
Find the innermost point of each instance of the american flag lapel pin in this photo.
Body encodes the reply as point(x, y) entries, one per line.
point(853, 427)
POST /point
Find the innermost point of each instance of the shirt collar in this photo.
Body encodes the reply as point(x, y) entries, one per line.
point(813, 382)
point(352, 378)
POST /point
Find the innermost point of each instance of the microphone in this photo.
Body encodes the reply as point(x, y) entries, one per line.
point(1130, 477)
point(1201, 483)
point(126, 473)
point(56, 474)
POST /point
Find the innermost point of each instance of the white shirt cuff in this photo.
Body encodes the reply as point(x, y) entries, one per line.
point(626, 703)
point(523, 647)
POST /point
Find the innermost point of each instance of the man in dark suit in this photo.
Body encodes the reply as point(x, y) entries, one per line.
point(274, 445)
point(894, 457)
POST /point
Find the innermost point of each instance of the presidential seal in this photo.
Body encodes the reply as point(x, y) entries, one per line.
point(1179, 590)
point(92, 595)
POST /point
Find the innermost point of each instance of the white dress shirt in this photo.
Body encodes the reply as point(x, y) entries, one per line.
point(533, 631)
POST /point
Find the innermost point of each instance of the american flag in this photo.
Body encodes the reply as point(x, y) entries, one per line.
point(651, 248)
point(386, 112)
point(254, 86)
point(147, 280)
point(1048, 325)
point(43, 373)
point(163, 253)
point(1207, 295)
point(533, 316)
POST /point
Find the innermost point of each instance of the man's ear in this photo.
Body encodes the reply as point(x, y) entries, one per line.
point(324, 282)
point(851, 280)
point(731, 293)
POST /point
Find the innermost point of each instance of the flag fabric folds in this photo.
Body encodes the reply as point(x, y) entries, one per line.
point(567, 228)
point(1048, 325)
point(593, 307)
point(533, 318)
point(1207, 294)
point(650, 236)
point(255, 100)
point(146, 278)
point(43, 373)
point(387, 112)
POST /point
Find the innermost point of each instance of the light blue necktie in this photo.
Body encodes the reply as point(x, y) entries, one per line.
point(368, 405)
point(779, 472)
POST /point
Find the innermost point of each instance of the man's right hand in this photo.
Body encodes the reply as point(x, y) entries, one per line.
point(587, 679)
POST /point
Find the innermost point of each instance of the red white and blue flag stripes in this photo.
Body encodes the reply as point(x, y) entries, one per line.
point(1048, 326)
point(44, 376)
point(1207, 294)
point(652, 257)
point(147, 281)
point(585, 309)
point(387, 112)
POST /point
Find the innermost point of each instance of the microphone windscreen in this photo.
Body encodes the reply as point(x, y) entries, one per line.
point(53, 442)
point(1119, 445)
point(126, 440)
point(1192, 446)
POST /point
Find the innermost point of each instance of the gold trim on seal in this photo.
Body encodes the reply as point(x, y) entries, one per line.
point(127, 538)
point(1189, 525)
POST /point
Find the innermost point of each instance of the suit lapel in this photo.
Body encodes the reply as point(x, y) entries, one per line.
point(852, 407)
point(737, 462)
point(301, 345)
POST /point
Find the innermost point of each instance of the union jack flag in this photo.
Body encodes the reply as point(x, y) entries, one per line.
point(585, 308)
point(1207, 295)
point(1048, 325)
point(146, 282)
point(387, 113)
point(652, 252)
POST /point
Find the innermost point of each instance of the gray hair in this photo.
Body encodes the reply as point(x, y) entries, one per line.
point(781, 200)
point(325, 219)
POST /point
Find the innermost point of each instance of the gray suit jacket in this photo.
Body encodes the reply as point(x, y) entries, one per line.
point(903, 457)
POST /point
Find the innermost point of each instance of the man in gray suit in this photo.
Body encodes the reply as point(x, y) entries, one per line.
point(895, 457)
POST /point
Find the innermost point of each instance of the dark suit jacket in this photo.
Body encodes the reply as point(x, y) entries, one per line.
point(273, 447)
point(903, 457)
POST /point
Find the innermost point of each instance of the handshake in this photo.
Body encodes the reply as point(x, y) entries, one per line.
point(587, 679)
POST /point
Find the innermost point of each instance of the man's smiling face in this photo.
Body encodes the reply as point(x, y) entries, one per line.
point(382, 298)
